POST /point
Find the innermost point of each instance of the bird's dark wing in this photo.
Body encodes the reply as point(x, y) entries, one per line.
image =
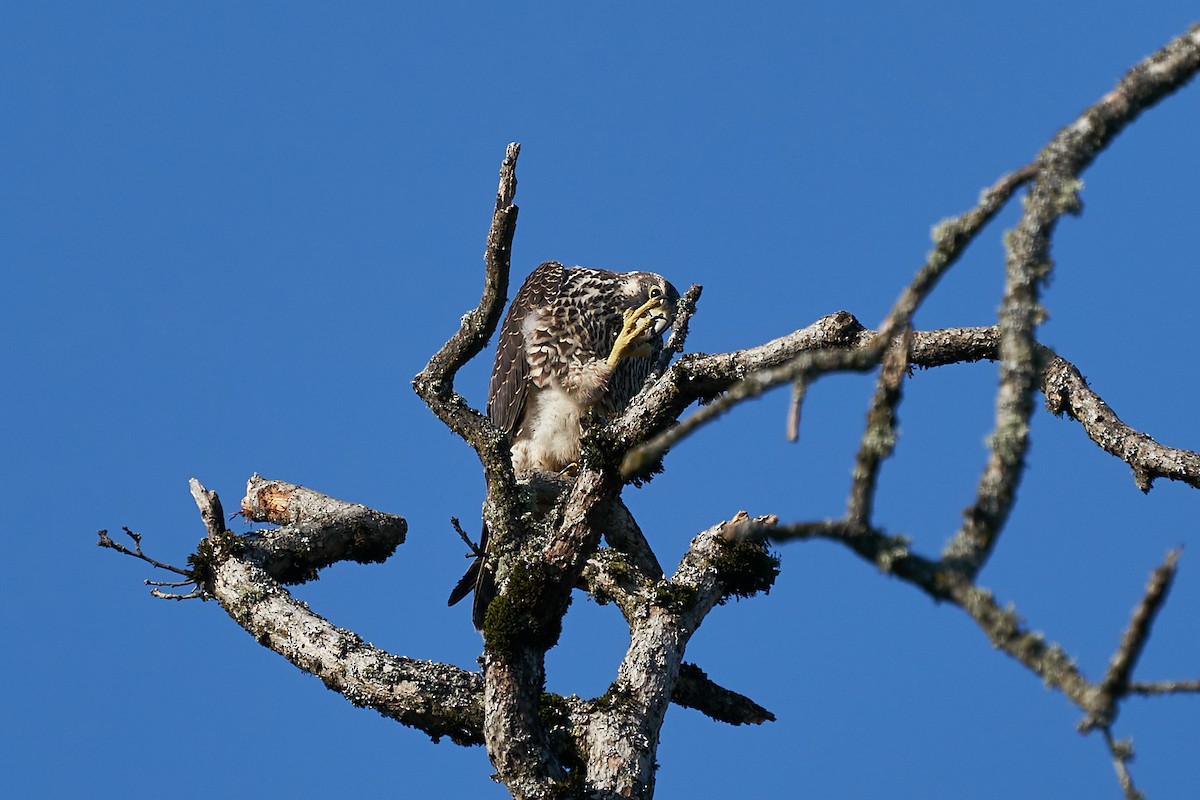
point(506, 404)
point(509, 386)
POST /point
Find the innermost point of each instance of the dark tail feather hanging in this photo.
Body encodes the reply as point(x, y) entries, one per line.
point(485, 592)
point(466, 583)
point(478, 579)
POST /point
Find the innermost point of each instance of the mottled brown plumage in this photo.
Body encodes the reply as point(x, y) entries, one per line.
point(561, 356)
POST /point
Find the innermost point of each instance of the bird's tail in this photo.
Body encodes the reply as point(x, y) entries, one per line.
point(478, 578)
point(466, 583)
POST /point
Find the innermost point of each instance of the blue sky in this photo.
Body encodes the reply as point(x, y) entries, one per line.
point(231, 234)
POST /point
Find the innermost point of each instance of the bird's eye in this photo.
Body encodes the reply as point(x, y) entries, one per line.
point(655, 292)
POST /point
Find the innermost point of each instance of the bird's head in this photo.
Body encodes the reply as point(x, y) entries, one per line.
point(644, 287)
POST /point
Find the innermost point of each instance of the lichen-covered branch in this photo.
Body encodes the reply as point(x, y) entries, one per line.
point(1054, 192)
point(1164, 687)
point(545, 543)
point(525, 621)
point(1066, 389)
point(647, 428)
point(317, 530)
point(439, 699)
point(944, 581)
point(1115, 685)
point(1122, 754)
point(1067, 392)
point(1003, 627)
point(879, 438)
point(746, 374)
point(621, 742)
point(695, 690)
point(612, 576)
point(435, 383)
point(679, 329)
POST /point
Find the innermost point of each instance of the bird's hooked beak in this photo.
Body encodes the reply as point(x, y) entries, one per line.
point(663, 313)
point(662, 318)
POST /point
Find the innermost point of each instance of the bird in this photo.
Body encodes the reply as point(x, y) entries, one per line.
point(576, 341)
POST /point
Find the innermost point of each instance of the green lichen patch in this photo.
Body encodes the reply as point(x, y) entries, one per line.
point(514, 620)
point(211, 553)
point(746, 568)
point(673, 596)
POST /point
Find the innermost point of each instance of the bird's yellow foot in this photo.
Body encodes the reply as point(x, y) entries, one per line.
point(637, 322)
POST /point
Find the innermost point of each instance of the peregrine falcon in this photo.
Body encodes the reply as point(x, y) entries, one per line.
point(575, 340)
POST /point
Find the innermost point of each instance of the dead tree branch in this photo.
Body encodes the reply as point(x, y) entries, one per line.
point(546, 746)
point(1054, 192)
point(1115, 686)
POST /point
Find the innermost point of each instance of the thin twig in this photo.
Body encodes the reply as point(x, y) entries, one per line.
point(474, 548)
point(1122, 754)
point(1115, 685)
point(950, 239)
point(435, 383)
point(199, 593)
point(1164, 687)
point(105, 541)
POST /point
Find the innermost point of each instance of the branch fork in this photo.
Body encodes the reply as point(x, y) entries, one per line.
point(546, 746)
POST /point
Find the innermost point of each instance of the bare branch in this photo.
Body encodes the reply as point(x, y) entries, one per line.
point(1165, 687)
point(879, 439)
point(1053, 193)
point(806, 366)
point(744, 373)
point(435, 384)
point(318, 530)
point(198, 594)
point(475, 549)
point(1003, 627)
point(191, 579)
point(951, 238)
point(695, 690)
point(210, 508)
point(168, 584)
point(759, 369)
point(1067, 391)
point(1122, 754)
point(612, 575)
point(106, 541)
point(439, 699)
point(716, 565)
point(799, 392)
point(679, 328)
point(1115, 685)
point(524, 621)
